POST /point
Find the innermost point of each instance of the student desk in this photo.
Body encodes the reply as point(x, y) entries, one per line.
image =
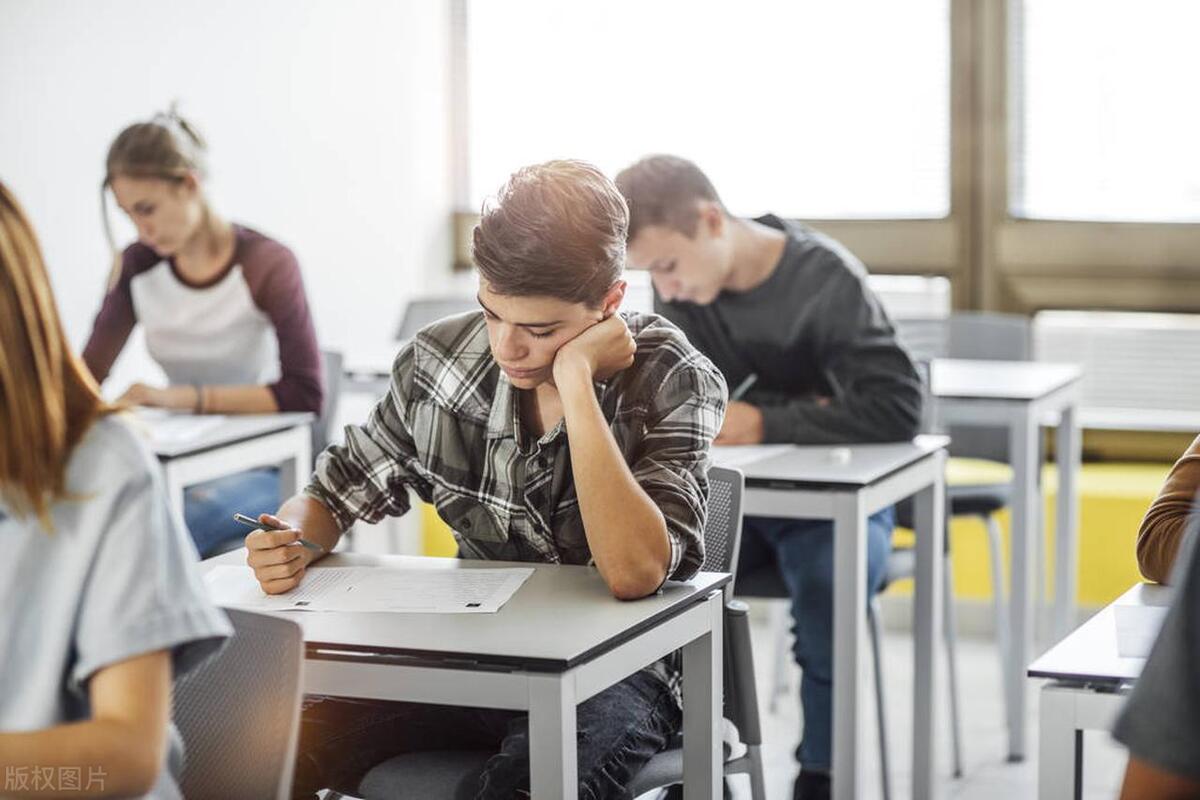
point(235, 444)
point(1090, 680)
point(561, 639)
point(1021, 396)
point(847, 485)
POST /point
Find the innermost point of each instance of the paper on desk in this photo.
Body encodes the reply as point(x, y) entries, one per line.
point(741, 454)
point(374, 589)
point(1137, 628)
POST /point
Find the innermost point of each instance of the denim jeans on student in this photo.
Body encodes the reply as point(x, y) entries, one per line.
point(803, 549)
point(619, 730)
point(208, 507)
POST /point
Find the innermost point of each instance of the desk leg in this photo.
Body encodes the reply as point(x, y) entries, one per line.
point(1060, 749)
point(928, 659)
point(702, 709)
point(849, 634)
point(294, 472)
point(1066, 530)
point(1026, 499)
point(553, 768)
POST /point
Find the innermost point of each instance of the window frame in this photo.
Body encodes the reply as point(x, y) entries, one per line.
point(994, 259)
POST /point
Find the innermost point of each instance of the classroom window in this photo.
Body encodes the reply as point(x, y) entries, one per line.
point(809, 109)
point(1105, 125)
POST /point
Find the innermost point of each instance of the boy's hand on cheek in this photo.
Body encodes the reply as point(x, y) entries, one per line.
point(598, 353)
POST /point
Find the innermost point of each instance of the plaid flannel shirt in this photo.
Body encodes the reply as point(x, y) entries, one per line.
point(449, 428)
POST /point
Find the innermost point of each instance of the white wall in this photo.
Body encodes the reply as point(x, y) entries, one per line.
point(327, 122)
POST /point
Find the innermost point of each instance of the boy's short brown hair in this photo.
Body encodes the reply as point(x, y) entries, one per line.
point(556, 229)
point(663, 190)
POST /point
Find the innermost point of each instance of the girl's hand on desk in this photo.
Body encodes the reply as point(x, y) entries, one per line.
point(278, 561)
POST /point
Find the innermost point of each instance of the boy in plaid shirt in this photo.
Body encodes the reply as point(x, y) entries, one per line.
point(546, 427)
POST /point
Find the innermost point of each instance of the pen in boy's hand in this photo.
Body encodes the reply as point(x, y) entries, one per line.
point(250, 522)
point(743, 387)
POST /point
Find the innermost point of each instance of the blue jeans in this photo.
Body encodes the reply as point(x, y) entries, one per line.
point(619, 730)
point(208, 508)
point(803, 550)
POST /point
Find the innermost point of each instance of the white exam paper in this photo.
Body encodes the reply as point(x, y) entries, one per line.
point(374, 589)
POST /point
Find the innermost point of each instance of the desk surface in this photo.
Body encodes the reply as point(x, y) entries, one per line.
point(999, 380)
point(170, 437)
point(1089, 654)
point(562, 616)
point(824, 466)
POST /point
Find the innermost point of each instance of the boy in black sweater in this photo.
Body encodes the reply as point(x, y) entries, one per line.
point(773, 299)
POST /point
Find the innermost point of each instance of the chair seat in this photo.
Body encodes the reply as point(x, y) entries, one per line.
point(977, 501)
point(428, 775)
point(454, 774)
point(962, 501)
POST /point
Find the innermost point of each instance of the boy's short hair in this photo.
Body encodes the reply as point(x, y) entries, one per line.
point(556, 229)
point(663, 190)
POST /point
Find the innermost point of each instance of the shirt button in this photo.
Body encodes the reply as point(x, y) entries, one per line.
point(465, 525)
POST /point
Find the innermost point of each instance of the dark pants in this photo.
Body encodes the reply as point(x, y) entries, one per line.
point(619, 730)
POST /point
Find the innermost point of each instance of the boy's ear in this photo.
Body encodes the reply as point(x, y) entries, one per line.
point(613, 298)
point(712, 218)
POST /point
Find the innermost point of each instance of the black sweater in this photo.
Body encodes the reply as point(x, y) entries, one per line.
point(812, 329)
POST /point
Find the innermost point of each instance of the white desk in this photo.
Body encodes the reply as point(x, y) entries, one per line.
point(235, 444)
point(814, 482)
point(1020, 396)
point(1090, 680)
point(561, 639)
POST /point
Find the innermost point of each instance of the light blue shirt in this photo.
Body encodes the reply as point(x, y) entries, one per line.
point(116, 578)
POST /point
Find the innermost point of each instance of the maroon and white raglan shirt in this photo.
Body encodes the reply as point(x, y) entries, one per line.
point(249, 325)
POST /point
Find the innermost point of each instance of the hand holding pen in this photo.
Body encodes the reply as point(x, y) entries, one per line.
point(278, 553)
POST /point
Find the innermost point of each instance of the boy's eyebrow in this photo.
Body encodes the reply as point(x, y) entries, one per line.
point(518, 324)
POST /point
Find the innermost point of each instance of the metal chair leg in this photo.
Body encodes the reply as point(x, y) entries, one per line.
point(1000, 610)
point(877, 657)
point(758, 786)
point(950, 627)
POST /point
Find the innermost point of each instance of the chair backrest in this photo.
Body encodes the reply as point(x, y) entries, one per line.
point(987, 335)
point(424, 310)
point(723, 523)
point(331, 363)
point(239, 713)
point(722, 540)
